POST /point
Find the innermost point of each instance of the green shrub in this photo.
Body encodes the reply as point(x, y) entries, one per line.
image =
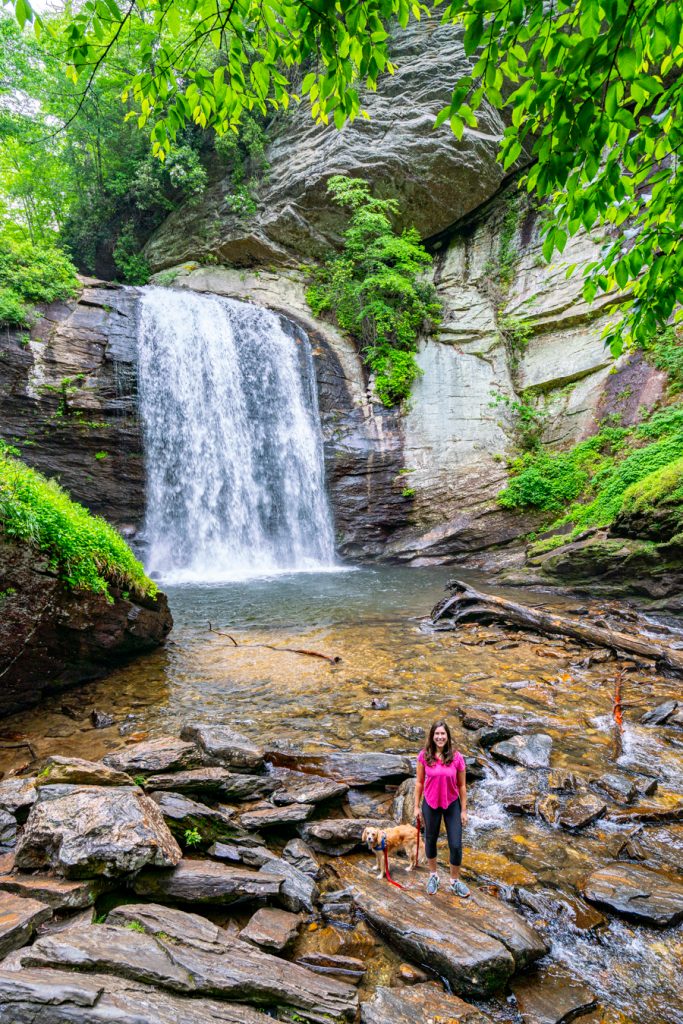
point(85, 551)
point(373, 289)
point(192, 837)
point(128, 258)
point(13, 311)
point(31, 273)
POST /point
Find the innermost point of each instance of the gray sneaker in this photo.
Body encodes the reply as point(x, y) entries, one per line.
point(460, 889)
point(432, 885)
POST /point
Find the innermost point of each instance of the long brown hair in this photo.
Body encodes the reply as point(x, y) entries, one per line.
point(430, 746)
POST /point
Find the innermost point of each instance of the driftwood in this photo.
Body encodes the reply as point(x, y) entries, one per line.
point(333, 659)
point(618, 716)
point(467, 604)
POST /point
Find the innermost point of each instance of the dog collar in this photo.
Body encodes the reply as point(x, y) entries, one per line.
point(382, 845)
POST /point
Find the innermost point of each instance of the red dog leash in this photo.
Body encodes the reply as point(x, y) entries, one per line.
point(386, 858)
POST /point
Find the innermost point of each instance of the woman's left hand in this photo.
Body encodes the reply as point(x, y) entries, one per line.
point(463, 818)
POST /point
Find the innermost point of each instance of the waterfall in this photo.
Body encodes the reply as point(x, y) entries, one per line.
point(233, 448)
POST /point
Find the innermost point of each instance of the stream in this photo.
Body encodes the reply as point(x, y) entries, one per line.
point(370, 618)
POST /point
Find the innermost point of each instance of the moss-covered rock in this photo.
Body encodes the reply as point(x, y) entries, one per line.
point(653, 507)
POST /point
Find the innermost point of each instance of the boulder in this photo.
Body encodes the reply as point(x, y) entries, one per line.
point(269, 816)
point(182, 814)
point(421, 1004)
point(83, 832)
point(57, 997)
point(554, 997)
point(530, 751)
point(224, 745)
point(661, 714)
point(227, 969)
point(495, 867)
point(298, 891)
point(476, 946)
point(158, 920)
point(56, 893)
point(581, 811)
point(8, 828)
point(636, 893)
point(403, 807)
point(166, 754)
point(364, 769)
point(368, 803)
point(205, 881)
point(17, 796)
point(271, 929)
point(219, 783)
point(301, 857)
point(19, 919)
point(620, 788)
point(250, 850)
point(338, 836)
point(488, 736)
point(76, 772)
point(303, 788)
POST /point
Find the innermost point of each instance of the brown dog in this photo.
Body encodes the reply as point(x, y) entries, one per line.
point(402, 837)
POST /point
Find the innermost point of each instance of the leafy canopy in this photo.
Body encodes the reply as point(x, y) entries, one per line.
point(373, 289)
point(593, 91)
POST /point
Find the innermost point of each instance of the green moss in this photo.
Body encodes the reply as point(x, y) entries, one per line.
point(32, 273)
point(85, 551)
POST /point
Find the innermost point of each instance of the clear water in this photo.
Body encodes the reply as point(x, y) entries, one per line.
point(233, 450)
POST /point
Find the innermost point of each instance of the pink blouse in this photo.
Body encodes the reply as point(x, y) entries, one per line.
point(441, 780)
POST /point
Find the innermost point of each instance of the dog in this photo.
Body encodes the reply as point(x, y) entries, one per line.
point(402, 837)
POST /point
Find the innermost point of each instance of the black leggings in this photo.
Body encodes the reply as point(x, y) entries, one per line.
point(432, 821)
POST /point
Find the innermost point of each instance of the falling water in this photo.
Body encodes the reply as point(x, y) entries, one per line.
point(233, 450)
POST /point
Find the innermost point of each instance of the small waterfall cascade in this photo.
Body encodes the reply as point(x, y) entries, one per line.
point(233, 448)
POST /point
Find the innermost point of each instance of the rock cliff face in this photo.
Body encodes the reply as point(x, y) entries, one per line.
point(52, 638)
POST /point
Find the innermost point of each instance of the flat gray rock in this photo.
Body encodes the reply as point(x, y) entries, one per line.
point(352, 769)
point(620, 788)
point(168, 960)
point(57, 893)
point(301, 857)
point(298, 891)
point(301, 788)
point(225, 745)
point(19, 919)
point(271, 929)
point(337, 836)
point(182, 814)
point(476, 945)
point(77, 772)
point(159, 920)
point(31, 996)
point(166, 754)
point(419, 1004)
point(661, 714)
point(270, 816)
point(206, 881)
point(95, 830)
point(249, 850)
point(637, 893)
point(219, 783)
point(552, 998)
point(530, 751)
point(581, 811)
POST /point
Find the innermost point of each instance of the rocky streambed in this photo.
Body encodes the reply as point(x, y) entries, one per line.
point(202, 878)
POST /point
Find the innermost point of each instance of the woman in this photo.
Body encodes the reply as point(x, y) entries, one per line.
point(441, 778)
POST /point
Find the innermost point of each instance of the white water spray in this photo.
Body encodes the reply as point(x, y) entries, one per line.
point(233, 449)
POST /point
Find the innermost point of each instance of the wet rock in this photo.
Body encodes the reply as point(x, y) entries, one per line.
point(100, 719)
point(338, 905)
point(423, 1004)
point(364, 769)
point(645, 786)
point(379, 704)
point(8, 828)
point(6, 863)
point(226, 969)
point(243, 850)
point(18, 797)
point(666, 807)
point(553, 998)
point(271, 929)
point(475, 769)
point(166, 754)
point(88, 831)
point(521, 803)
point(223, 744)
point(620, 788)
point(661, 714)
point(206, 881)
point(182, 814)
point(637, 893)
point(548, 808)
point(368, 803)
point(219, 783)
point(410, 975)
point(346, 968)
point(298, 891)
point(569, 909)
point(655, 848)
point(476, 945)
point(57, 893)
point(530, 751)
point(490, 735)
point(155, 920)
point(563, 781)
point(473, 718)
point(19, 919)
point(303, 788)
point(403, 806)
point(57, 997)
point(74, 771)
point(337, 836)
point(413, 733)
point(494, 867)
point(301, 857)
point(581, 811)
point(274, 817)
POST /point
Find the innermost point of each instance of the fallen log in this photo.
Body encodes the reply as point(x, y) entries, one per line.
point(468, 604)
point(618, 716)
point(333, 659)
